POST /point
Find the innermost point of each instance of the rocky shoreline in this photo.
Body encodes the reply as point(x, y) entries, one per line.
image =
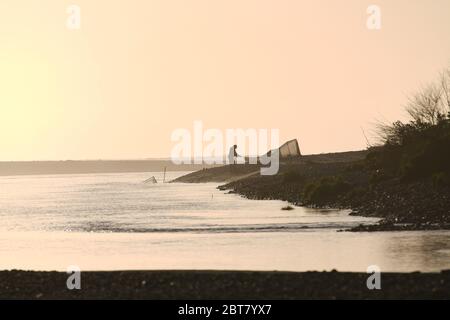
point(402, 207)
point(343, 184)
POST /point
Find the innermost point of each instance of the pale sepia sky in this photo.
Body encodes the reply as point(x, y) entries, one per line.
point(138, 69)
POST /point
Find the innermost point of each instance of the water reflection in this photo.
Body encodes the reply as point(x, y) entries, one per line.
point(113, 222)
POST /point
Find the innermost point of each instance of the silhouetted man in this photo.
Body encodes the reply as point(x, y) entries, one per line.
point(232, 155)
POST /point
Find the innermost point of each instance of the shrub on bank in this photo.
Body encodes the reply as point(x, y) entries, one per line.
point(420, 154)
point(293, 177)
point(420, 148)
point(325, 190)
point(441, 179)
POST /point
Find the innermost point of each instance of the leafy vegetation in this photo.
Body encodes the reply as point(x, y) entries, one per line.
point(293, 177)
point(421, 147)
point(324, 190)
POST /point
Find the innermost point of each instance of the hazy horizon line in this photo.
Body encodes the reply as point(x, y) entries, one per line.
point(159, 158)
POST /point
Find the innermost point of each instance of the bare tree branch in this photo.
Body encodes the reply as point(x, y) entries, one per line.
point(445, 85)
point(426, 105)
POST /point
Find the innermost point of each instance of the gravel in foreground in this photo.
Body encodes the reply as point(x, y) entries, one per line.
point(223, 285)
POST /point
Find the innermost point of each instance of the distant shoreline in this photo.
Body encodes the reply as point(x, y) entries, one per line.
point(236, 285)
point(19, 168)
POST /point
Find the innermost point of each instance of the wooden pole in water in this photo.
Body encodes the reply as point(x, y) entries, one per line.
point(164, 178)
